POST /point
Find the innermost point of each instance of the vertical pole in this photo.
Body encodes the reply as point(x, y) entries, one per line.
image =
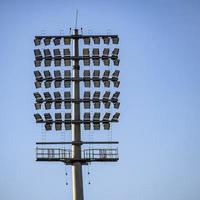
point(77, 179)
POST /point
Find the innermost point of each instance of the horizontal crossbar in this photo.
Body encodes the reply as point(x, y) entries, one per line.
point(80, 143)
point(77, 100)
point(73, 36)
point(83, 161)
point(78, 79)
point(40, 58)
point(76, 121)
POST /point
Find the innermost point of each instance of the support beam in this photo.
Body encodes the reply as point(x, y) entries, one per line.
point(77, 177)
point(81, 143)
point(73, 36)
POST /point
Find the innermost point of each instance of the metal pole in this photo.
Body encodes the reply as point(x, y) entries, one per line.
point(77, 179)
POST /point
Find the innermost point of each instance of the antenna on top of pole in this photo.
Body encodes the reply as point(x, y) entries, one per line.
point(76, 19)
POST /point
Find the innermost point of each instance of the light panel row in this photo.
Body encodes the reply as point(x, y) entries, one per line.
point(68, 63)
point(66, 74)
point(68, 105)
point(58, 77)
point(67, 118)
point(67, 96)
point(67, 84)
point(87, 121)
point(68, 40)
point(48, 59)
point(47, 54)
point(57, 100)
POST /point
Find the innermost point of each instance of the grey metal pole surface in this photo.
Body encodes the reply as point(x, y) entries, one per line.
point(77, 178)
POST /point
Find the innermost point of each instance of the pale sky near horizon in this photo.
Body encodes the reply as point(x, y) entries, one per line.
point(159, 129)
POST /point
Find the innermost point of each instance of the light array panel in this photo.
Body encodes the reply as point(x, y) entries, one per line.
point(58, 79)
point(56, 56)
point(57, 40)
point(65, 119)
point(66, 99)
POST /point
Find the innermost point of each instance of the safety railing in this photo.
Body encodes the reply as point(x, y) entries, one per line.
point(100, 153)
point(65, 155)
point(53, 153)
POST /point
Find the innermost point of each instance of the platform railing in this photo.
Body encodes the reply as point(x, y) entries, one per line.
point(88, 155)
point(53, 153)
point(100, 153)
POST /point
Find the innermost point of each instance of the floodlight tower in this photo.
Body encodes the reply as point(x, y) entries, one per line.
point(76, 156)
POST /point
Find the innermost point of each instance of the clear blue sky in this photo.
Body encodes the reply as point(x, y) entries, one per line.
point(159, 130)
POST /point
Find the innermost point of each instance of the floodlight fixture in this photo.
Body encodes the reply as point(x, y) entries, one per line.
point(38, 55)
point(106, 40)
point(86, 76)
point(116, 62)
point(115, 52)
point(67, 60)
point(87, 40)
point(115, 39)
point(38, 118)
point(38, 75)
point(115, 96)
point(47, 54)
point(96, 74)
point(105, 78)
point(64, 102)
point(58, 79)
point(68, 126)
point(106, 74)
point(67, 99)
point(48, 78)
point(38, 97)
point(56, 41)
point(106, 62)
point(47, 41)
point(106, 52)
point(67, 40)
point(116, 105)
point(47, 62)
point(86, 57)
point(115, 74)
point(67, 77)
point(106, 125)
point(66, 53)
point(68, 116)
point(58, 100)
point(106, 95)
point(106, 117)
point(96, 121)
point(95, 52)
point(86, 52)
point(47, 75)
point(96, 39)
point(47, 105)
point(86, 100)
point(37, 41)
point(106, 99)
point(96, 99)
point(116, 117)
point(48, 118)
point(38, 63)
point(87, 125)
point(58, 121)
point(48, 100)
